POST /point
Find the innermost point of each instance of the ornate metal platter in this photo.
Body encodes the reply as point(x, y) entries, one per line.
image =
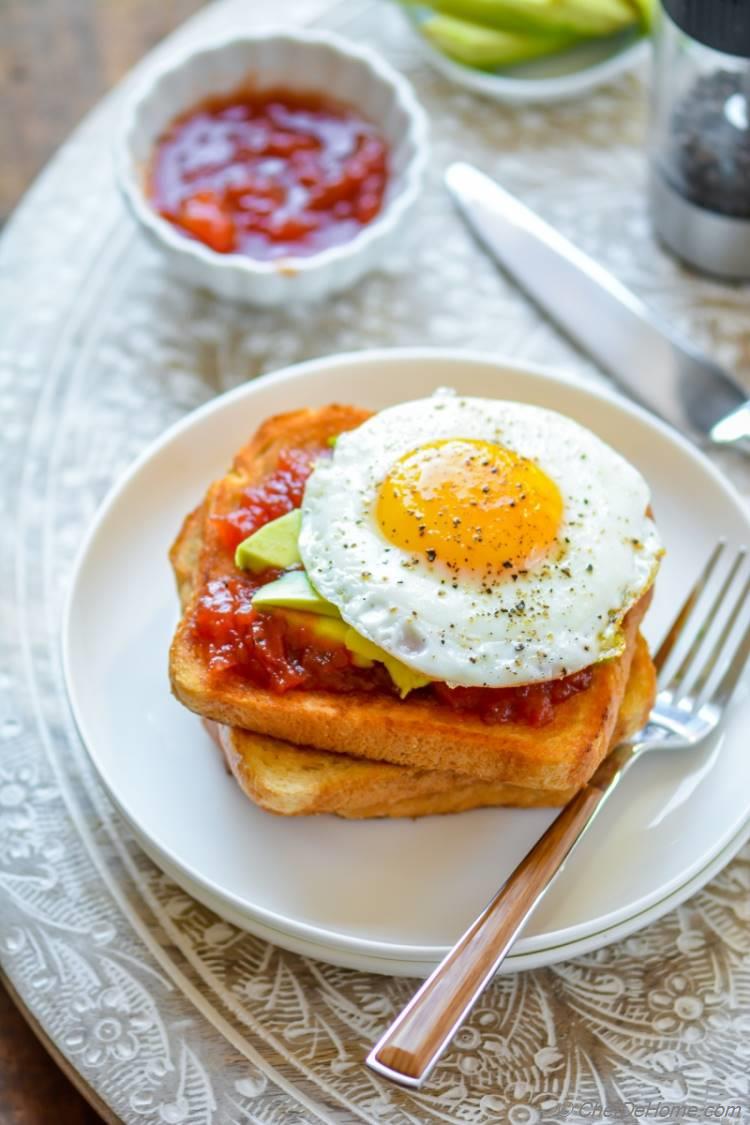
point(163, 1012)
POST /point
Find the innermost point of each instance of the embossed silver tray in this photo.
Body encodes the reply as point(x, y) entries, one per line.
point(161, 1011)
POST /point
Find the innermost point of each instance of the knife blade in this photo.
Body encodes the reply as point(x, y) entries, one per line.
point(663, 372)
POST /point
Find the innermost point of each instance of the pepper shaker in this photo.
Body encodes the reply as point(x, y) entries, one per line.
point(700, 135)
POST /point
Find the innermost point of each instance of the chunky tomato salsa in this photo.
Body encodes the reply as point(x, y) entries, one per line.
point(269, 175)
point(280, 654)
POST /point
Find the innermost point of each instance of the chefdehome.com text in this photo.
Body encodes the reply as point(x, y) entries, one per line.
point(653, 1110)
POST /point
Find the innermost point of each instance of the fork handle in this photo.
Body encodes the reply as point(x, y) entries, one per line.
point(415, 1041)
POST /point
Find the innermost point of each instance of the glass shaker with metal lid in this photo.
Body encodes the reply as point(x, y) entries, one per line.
point(700, 136)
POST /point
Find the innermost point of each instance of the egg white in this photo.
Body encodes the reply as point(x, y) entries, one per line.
point(562, 615)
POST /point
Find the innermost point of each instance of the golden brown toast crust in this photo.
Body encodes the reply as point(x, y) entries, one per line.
point(196, 554)
point(299, 781)
point(414, 732)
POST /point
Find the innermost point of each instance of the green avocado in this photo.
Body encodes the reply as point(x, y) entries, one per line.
point(327, 628)
point(405, 678)
point(486, 48)
point(647, 10)
point(293, 591)
point(572, 18)
point(274, 544)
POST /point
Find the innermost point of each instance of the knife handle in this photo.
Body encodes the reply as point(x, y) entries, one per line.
point(413, 1044)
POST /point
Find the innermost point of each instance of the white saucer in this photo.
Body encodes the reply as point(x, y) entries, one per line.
point(552, 79)
point(385, 896)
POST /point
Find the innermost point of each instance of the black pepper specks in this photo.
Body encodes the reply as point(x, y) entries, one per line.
point(708, 160)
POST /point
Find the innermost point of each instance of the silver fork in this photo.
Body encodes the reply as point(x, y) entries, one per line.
point(690, 706)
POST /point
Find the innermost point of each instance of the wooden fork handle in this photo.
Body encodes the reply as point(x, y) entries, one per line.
point(412, 1045)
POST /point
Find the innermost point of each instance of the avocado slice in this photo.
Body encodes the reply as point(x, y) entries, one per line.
point(486, 48)
point(274, 544)
point(544, 17)
point(327, 628)
point(647, 12)
point(293, 590)
point(405, 678)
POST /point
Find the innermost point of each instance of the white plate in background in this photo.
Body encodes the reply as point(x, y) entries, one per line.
point(554, 78)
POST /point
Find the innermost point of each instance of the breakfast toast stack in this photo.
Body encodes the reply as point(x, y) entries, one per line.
point(373, 754)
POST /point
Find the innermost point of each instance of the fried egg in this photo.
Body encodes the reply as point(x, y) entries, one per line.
point(480, 542)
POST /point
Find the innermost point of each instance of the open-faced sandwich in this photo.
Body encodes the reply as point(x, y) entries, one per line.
point(424, 610)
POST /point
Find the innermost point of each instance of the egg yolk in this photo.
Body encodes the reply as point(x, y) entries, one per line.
point(472, 505)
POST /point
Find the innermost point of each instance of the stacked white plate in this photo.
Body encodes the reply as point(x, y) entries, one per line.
point(386, 896)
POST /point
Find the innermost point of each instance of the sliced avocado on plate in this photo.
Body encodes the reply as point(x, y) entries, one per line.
point(274, 544)
point(294, 594)
point(574, 18)
point(487, 48)
point(293, 590)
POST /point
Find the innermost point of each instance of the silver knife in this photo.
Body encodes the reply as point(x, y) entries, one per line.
point(604, 318)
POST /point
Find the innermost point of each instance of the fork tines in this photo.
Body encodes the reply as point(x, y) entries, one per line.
point(710, 625)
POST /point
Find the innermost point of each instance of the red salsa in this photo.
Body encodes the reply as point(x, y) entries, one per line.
point(269, 175)
point(533, 704)
point(278, 653)
point(278, 492)
point(270, 649)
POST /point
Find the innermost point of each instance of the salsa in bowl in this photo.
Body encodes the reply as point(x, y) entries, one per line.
point(273, 167)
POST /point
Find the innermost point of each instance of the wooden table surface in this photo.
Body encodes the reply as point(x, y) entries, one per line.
point(57, 58)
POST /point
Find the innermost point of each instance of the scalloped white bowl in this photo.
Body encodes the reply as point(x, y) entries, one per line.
point(300, 61)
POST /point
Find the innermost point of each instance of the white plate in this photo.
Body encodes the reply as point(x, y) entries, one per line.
point(555, 78)
point(385, 896)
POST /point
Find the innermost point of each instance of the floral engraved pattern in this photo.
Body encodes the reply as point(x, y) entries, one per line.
point(104, 1029)
point(23, 826)
point(682, 1011)
point(172, 1016)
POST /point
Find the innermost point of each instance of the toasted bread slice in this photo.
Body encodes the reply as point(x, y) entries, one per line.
point(415, 732)
point(297, 780)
